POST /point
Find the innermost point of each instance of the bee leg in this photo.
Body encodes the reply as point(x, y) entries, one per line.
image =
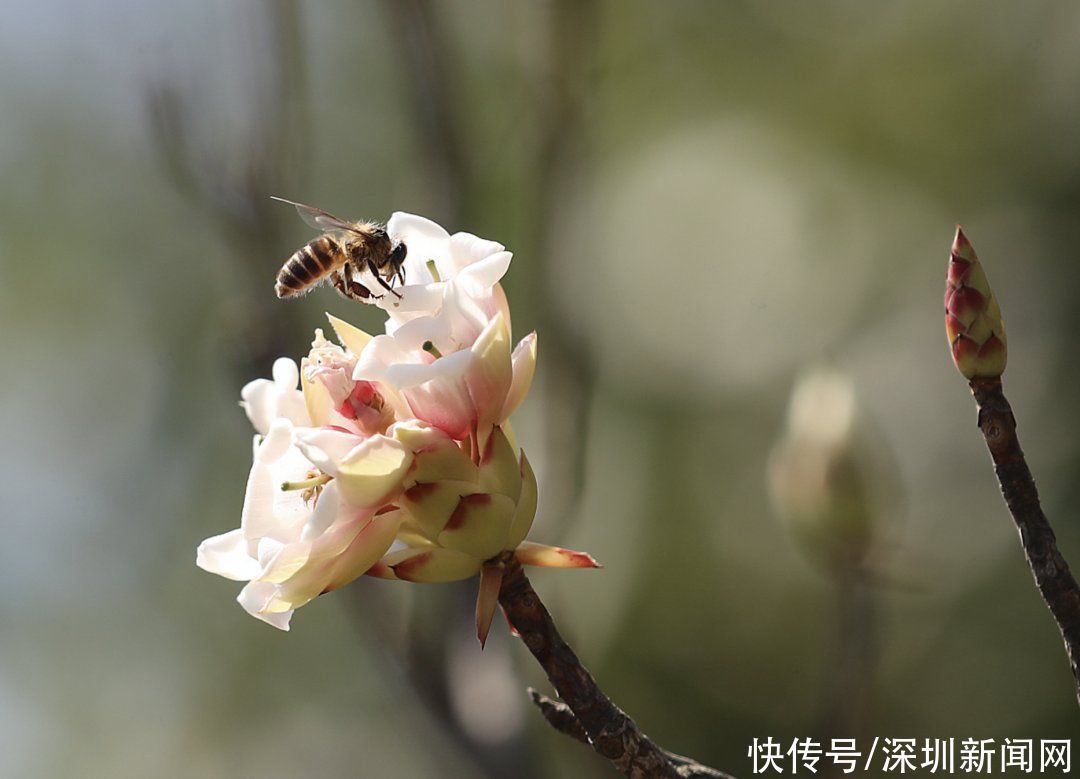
point(348, 288)
point(386, 285)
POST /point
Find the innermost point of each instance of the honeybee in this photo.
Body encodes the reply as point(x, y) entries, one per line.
point(340, 254)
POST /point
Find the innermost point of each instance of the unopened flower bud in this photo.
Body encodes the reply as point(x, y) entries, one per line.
point(972, 316)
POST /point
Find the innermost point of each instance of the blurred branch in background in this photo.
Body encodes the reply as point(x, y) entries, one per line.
point(429, 60)
point(824, 484)
point(571, 37)
point(230, 181)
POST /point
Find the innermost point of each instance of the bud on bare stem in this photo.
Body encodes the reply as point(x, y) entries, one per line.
point(977, 339)
point(972, 316)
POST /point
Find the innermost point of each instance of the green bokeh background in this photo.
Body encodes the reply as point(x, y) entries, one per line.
point(704, 201)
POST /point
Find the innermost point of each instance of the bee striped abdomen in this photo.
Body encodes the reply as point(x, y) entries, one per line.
point(310, 265)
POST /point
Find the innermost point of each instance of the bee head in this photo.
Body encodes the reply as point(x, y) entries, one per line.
point(397, 255)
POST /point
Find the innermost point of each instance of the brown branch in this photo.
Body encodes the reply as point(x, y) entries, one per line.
point(587, 711)
point(1052, 576)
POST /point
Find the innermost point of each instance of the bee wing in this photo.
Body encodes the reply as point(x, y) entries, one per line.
point(317, 218)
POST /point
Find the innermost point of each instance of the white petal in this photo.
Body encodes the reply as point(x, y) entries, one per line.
point(278, 438)
point(269, 511)
point(412, 335)
point(326, 447)
point(286, 374)
point(256, 596)
point(469, 248)
point(327, 511)
point(420, 296)
point(259, 401)
point(227, 555)
point(424, 241)
point(377, 357)
point(485, 273)
point(404, 226)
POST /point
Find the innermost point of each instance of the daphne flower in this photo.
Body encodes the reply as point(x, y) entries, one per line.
point(463, 508)
point(461, 379)
point(334, 398)
point(439, 265)
point(318, 508)
point(402, 439)
point(293, 546)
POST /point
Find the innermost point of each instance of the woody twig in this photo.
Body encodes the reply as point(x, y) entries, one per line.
point(977, 339)
point(586, 713)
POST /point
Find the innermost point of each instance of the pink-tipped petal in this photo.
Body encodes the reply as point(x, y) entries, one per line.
point(489, 376)
point(487, 599)
point(529, 553)
point(381, 571)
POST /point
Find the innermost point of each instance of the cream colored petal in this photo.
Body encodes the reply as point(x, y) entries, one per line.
point(443, 461)
point(352, 338)
point(432, 565)
point(525, 511)
point(431, 504)
point(366, 549)
point(479, 525)
point(523, 361)
point(372, 473)
point(317, 400)
point(500, 471)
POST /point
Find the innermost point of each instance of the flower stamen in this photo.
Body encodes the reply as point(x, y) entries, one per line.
point(429, 347)
point(306, 484)
point(434, 271)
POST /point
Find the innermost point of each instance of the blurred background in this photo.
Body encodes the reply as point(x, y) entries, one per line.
point(710, 205)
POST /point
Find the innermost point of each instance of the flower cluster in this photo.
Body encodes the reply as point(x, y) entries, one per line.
point(392, 455)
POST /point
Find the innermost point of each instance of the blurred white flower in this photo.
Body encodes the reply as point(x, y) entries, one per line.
point(825, 476)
